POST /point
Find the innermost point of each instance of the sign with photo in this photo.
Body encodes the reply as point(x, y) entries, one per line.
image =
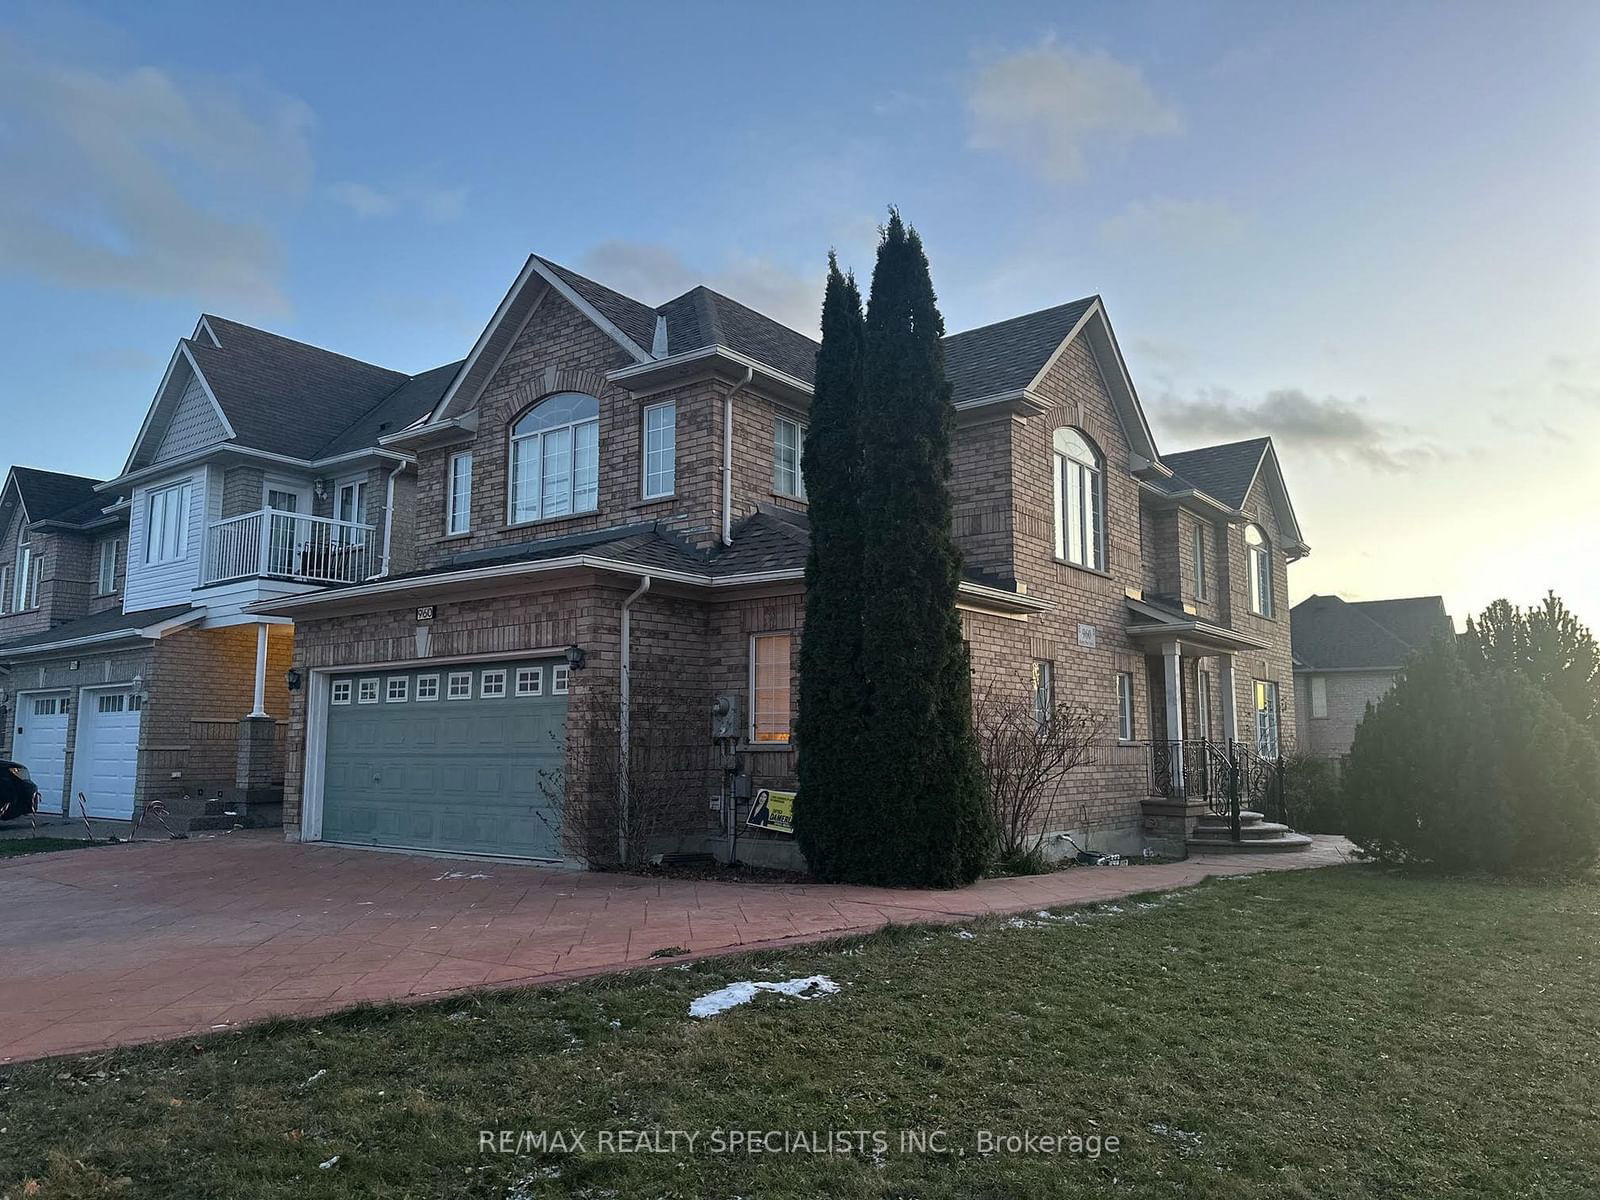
point(772, 810)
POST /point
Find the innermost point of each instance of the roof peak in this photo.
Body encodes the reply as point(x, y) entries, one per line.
point(282, 337)
point(1049, 308)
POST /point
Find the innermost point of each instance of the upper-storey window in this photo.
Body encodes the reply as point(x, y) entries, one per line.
point(788, 442)
point(1202, 576)
point(1259, 570)
point(555, 458)
point(660, 449)
point(110, 551)
point(1080, 500)
point(459, 502)
point(166, 526)
point(26, 583)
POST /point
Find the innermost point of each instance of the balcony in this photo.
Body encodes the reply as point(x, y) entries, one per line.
point(284, 545)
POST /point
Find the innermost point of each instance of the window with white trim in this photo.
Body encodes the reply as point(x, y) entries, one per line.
point(771, 669)
point(530, 681)
point(166, 526)
point(5, 589)
point(1044, 691)
point(788, 448)
point(560, 674)
point(459, 686)
point(340, 693)
point(1319, 696)
point(1266, 718)
point(367, 691)
point(1203, 701)
point(1202, 575)
point(106, 579)
point(555, 458)
point(427, 688)
point(1259, 568)
point(660, 449)
point(492, 685)
point(114, 702)
point(22, 592)
point(1080, 500)
point(399, 689)
point(459, 505)
point(46, 706)
point(1125, 705)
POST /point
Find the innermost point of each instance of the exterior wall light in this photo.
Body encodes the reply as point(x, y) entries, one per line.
point(291, 677)
point(576, 658)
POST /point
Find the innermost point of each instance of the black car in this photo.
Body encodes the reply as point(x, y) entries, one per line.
point(18, 797)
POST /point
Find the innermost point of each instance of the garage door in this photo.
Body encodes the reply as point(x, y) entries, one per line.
point(453, 758)
point(40, 744)
point(105, 762)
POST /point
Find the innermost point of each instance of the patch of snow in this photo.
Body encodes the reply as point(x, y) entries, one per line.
point(527, 1187)
point(457, 875)
point(966, 935)
point(315, 1077)
point(735, 994)
point(329, 1165)
point(1187, 1139)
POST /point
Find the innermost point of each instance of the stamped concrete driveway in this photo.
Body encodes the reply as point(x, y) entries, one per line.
point(132, 943)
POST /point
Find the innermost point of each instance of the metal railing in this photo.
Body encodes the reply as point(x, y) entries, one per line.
point(290, 546)
point(1229, 777)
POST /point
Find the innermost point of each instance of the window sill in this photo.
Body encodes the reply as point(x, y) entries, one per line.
point(1065, 562)
point(652, 501)
point(456, 537)
point(777, 495)
point(538, 521)
point(770, 747)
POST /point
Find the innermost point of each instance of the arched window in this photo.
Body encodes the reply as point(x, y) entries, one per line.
point(555, 458)
point(1080, 500)
point(1259, 553)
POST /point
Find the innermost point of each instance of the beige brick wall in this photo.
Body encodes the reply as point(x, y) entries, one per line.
point(1349, 693)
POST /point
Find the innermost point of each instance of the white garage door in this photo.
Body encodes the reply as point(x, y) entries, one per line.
point(107, 759)
point(41, 744)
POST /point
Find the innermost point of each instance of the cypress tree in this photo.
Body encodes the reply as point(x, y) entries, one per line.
point(830, 806)
point(928, 823)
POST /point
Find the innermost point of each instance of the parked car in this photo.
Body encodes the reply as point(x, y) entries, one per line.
point(18, 797)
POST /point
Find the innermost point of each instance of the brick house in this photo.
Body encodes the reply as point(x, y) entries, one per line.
point(1346, 656)
point(132, 670)
point(609, 506)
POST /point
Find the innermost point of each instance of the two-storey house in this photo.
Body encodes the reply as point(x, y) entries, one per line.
point(610, 504)
point(136, 673)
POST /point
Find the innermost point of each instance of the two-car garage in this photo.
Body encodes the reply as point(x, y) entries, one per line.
point(462, 758)
point(104, 741)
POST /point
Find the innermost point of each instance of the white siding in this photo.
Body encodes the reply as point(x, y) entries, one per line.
point(194, 425)
point(152, 585)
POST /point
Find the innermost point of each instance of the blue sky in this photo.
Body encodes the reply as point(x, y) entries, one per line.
point(1372, 231)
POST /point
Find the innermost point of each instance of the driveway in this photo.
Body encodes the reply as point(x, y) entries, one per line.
point(132, 943)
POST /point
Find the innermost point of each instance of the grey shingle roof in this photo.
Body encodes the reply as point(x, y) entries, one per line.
point(412, 399)
point(1006, 356)
point(702, 317)
point(1335, 634)
point(634, 318)
point(1223, 472)
point(770, 539)
point(113, 621)
point(53, 496)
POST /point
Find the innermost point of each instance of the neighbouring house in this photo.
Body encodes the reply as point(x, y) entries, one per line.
point(1346, 656)
point(135, 672)
point(610, 509)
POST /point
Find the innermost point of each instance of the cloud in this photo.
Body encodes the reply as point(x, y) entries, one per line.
point(1047, 106)
point(1336, 429)
point(143, 182)
point(1175, 224)
point(656, 273)
point(433, 203)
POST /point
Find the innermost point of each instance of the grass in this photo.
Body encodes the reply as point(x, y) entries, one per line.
point(1337, 1033)
point(14, 847)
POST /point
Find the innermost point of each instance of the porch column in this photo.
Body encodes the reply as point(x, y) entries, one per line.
point(1172, 657)
point(260, 709)
point(1230, 698)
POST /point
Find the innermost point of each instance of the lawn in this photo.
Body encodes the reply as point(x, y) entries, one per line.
point(1339, 1033)
point(13, 847)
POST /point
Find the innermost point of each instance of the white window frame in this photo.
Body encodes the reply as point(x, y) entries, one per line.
point(794, 488)
point(1269, 718)
point(1042, 679)
point(345, 687)
point(530, 681)
point(20, 585)
point(1125, 697)
point(779, 737)
point(111, 702)
point(106, 575)
point(168, 508)
point(358, 510)
point(1202, 578)
point(496, 680)
point(362, 696)
point(452, 679)
point(6, 605)
point(1319, 697)
point(560, 679)
point(1258, 557)
point(432, 690)
point(458, 494)
point(572, 431)
point(1079, 481)
point(657, 481)
point(1202, 708)
point(390, 695)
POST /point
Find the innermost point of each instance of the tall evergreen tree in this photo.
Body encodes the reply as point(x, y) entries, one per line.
point(1546, 643)
point(831, 807)
point(929, 823)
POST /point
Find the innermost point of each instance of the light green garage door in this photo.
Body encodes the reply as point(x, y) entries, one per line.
point(447, 758)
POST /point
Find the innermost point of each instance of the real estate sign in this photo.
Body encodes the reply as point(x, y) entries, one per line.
point(772, 810)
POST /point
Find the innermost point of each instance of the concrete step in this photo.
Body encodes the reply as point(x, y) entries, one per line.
point(1224, 844)
point(1258, 829)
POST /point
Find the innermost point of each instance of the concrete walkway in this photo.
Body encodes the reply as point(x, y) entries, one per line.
point(133, 943)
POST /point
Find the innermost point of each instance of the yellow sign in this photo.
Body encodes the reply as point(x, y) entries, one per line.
point(772, 810)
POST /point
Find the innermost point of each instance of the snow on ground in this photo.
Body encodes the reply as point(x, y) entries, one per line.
point(743, 992)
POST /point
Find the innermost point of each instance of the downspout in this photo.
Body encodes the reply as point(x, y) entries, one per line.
point(727, 455)
point(388, 523)
point(624, 713)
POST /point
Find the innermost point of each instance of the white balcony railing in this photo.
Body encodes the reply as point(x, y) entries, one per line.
point(290, 546)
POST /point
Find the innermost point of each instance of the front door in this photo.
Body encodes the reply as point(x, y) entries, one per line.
point(40, 744)
point(283, 529)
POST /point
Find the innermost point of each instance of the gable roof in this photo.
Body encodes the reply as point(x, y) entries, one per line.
point(412, 399)
point(1008, 355)
point(54, 496)
point(1330, 633)
point(701, 317)
point(1223, 472)
point(634, 318)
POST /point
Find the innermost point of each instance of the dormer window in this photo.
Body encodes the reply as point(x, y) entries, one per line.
point(1080, 496)
point(1259, 554)
point(555, 458)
